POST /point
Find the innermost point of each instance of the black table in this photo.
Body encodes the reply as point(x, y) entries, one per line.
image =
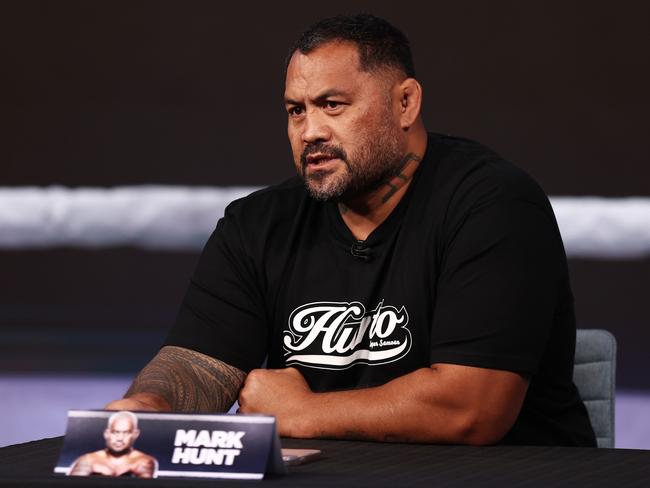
point(360, 464)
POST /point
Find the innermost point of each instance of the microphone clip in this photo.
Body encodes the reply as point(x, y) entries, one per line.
point(361, 251)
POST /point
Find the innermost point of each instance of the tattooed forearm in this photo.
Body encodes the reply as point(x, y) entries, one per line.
point(408, 165)
point(189, 381)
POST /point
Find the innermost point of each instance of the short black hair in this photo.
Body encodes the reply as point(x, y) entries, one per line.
point(380, 44)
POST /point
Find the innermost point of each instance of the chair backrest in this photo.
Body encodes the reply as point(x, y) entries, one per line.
point(594, 374)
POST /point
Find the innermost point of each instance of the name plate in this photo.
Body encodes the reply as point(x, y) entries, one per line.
point(151, 445)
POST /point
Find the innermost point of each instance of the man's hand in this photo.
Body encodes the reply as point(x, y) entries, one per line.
point(144, 402)
point(283, 393)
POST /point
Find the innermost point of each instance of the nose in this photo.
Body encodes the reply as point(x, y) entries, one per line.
point(315, 128)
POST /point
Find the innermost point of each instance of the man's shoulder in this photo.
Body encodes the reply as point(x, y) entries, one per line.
point(467, 169)
point(270, 201)
point(266, 214)
point(141, 457)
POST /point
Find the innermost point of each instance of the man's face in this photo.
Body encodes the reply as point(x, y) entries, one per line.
point(120, 435)
point(343, 123)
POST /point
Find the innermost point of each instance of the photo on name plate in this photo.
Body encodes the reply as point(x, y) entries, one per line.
point(157, 445)
point(105, 445)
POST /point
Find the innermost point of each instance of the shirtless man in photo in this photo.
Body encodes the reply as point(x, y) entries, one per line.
point(119, 458)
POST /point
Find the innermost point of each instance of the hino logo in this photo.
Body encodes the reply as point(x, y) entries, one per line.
point(336, 335)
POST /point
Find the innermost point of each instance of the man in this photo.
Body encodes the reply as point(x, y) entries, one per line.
point(407, 287)
point(119, 458)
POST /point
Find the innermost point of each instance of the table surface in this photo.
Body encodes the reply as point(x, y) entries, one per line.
point(360, 464)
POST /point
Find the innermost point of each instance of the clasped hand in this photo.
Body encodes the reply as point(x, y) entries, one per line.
point(283, 393)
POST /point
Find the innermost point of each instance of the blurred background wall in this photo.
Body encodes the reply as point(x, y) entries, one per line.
point(111, 93)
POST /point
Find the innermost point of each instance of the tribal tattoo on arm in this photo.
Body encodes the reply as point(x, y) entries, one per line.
point(189, 381)
point(404, 175)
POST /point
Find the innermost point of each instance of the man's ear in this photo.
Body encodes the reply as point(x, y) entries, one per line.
point(410, 102)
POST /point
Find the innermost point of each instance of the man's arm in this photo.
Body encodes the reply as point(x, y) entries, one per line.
point(146, 467)
point(446, 403)
point(182, 380)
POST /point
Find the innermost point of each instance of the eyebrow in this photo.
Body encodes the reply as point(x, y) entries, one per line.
point(326, 94)
point(289, 101)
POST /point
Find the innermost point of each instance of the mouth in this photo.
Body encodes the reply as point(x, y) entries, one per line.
point(320, 161)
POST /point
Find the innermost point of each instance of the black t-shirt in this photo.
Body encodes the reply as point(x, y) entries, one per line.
point(468, 269)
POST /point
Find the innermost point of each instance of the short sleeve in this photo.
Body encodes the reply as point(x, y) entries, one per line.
point(222, 314)
point(498, 289)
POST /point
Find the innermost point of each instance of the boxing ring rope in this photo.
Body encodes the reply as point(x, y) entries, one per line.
point(178, 218)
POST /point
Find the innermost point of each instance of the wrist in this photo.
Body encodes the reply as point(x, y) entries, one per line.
point(152, 401)
point(140, 401)
point(308, 417)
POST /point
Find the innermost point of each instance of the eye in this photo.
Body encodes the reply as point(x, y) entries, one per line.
point(295, 111)
point(332, 105)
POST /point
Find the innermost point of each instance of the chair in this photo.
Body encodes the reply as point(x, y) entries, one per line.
point(594, 374)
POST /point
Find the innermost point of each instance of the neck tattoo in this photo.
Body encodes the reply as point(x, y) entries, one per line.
point(403, 177)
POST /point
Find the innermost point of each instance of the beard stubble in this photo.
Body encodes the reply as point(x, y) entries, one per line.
point(377, 159)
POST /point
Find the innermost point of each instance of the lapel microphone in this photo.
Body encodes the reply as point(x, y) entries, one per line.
point(361, 251)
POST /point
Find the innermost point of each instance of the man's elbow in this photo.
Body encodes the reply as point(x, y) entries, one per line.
point(480, 428)
point(458, 425)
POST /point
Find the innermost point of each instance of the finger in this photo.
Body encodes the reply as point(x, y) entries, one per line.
point(242, 407)
point(293, 371)
point(240, 399)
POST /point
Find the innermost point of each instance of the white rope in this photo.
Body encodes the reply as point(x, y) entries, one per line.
point(181, 218)
point(605, 228)
point(151, 217)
